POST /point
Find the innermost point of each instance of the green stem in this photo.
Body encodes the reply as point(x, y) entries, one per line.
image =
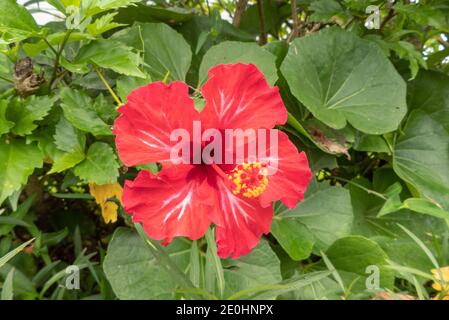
point(6, 79)
point(58, 56)
point(374, 193)
point(105, 82)
point(51, 47)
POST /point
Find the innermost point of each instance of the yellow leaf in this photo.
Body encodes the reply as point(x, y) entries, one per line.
point(441, 282)
point(102, 193)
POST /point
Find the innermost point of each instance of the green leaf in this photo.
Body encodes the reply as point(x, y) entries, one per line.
point(294, 237)
point(64, 161)
point(67, 138)
point(370, 143)
point(79, 109)
point(260, 267)
point(103, 24)
point(149, 13)
point(16, 22)
point(33, 49)
point(213, 268)
point(421, 153)
point(384, 230)
point(5, 124)
point(233, 52)
point(17, 162)
point(125, 85)
point(7, 289)
point(341, 78)
point(13, 253)
point(119, 57)
point(426, 207)
point(271, 291)
point(326, 212)
point(133, 271)
point(100, 165)
point(352, 255)
point(23, 112)
point(164, 50)
point(93, 7)
point(18, 215)
point(105, 109)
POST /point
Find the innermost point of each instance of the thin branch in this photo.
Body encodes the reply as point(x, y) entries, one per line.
point(295, 26)
point(51, 47)
point(208, 7)
point(263, 34)
point(240, 8)
point(6, 79)
point(389, 16)
point(58, 56)
point(220, 2)
point(369, 191)
point(105, 82)
point(200, 4)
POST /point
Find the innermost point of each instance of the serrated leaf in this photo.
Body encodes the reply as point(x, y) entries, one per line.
point(64, 161)
point(79, 109)
point(67, 138)
point(164, 50)
point(17, 162)
point(103, 24)
point(5, 124)
point(119, 57)
point(70, 143)
point(341, 78)
point(24, 112)
point(105, 109)
point(93, 7)
point(16, 23)
point(100, 165)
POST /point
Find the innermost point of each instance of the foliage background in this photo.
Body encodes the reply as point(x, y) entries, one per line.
point(370, 106)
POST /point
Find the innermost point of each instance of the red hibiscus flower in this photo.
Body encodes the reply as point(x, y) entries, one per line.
point(184, 199)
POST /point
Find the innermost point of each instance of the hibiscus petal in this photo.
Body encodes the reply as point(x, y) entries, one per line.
point(238, 96)
point(240, 222)
point(175, 202)
point(152, 112)
point(291, 174)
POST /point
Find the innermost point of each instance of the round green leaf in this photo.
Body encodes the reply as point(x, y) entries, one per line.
point(245, 52)
point(341, 78)
point(421, 154)
point(352, 255)
point(325, 211)
point(133, 271)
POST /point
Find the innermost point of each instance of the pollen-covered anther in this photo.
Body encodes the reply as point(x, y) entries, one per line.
point(249, 179)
